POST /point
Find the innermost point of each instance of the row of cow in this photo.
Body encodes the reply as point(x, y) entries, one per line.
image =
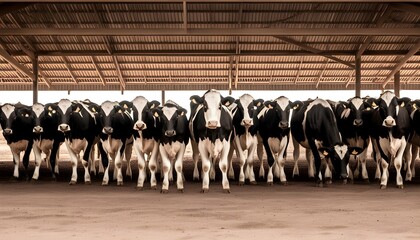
point(217, 126)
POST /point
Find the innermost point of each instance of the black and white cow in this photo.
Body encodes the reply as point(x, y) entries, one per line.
point(391, 133)
point(47, 139)
point(17, 122)
point(146, 138)
point(212, 128)
point(314, 126)
point(79, 124)
point(351, 118)
point(245, 124)
point(414, 142)
point(174, 137)
point(117, 129)
point(274, 121)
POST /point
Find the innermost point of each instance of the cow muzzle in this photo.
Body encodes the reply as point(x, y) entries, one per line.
point(64, 128)
point(38, 129)
point(107, 130)
point(358, 122)
point(284, 124)
point(389, 122)
point(212, 124)
point(7, 131)
point(139, 126)
point(247, 122)
point(170, 133)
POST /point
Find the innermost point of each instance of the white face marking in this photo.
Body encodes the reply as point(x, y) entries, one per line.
point(64, 104)
point(168, 112)
point(387, 97)
point(245, 101)
point(107, 107)
point(8, 109)
point(139, 103)
point(283, 102)
point(357, 102)
point(213, 100)
point(341, 150)
point(38, 109)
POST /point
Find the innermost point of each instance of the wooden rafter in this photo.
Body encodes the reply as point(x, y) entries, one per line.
point(184, 15)
point(321, 73)
point(98, 71)
point(412, 76)
point(6, 8)
point(407, 7)
point(119, 73)
point(16, 64)
point(300, 68)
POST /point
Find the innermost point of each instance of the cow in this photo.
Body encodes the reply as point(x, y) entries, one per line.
point(314, 127)
point(146, 138)
point(391, 131)
point(351, 118)
point(174, 137)
point(245, 125)
point(79, 124)
point(274, 129)
point(117, 129)
point(413, 144)
point(212, 129)
point(47, 139)
point(17, 122)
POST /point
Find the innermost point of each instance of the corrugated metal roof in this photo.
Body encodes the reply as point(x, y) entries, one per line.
point(202, 60)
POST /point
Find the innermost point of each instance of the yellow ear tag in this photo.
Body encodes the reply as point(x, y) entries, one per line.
point(258, 104)
point(414, 105)
point(49, 114)
point(227, 103)
point(153, 106)
point(26, 115)
point(53, 111)
point(50, 108)
point(125, 106)
point(402, 104)
point(374, 104)
point(296, 107)
point(182, 113)
point(193, 100)
point(354, 152)
point(119, 111)
point(325, 153)
point(156, 114)
point(77, 109)
point(93, 109)
point(269, 106)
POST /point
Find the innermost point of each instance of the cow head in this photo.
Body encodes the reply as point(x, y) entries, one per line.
point(143, 116)
point(339, 156)
point(172, 117)
point(65, 107)
point(389, 106)
point(352, 110)
point(284, 109)
point(245, 110)
point(212, 106)
point(107, 115)
point(16, 116)
point(38, 110)
point(50, 118)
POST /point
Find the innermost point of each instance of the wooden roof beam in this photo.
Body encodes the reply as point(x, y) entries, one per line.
point(403, 60)
point(119, 73)
point(322, 73)
point(412, 76)
point(299, 70)
point(69, 69)
point(314, 50)
point(10, 7)
point(184, 15)
point(98, 71)
point(407, 7)
point(210, 32)
point(16, 64)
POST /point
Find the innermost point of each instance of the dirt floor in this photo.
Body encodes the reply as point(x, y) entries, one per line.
point(54, 210)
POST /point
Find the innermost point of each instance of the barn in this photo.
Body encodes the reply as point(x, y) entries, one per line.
point(196, 45)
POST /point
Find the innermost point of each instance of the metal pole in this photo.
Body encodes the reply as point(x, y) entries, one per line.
point(163, 97)
point(35, 82)
point(358, 76)
point(397, 86)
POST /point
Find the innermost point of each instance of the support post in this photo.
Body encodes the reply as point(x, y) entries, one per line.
point(397, 85)
point(358, 81)
point(35, 81)
point(163, 97)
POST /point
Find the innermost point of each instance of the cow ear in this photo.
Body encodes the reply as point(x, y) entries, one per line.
point(195, 99)
point(258, 102)
point(227, 101)
point(324, 151)
point(296, 105)
point(153, 104)
point(181, 111)
point(157, 112)
point(403, 101)
point(355, 150)
point(269, 104)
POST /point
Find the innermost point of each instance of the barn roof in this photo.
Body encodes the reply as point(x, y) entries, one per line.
point(187, 45)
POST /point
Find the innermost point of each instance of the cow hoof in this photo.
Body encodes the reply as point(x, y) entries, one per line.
point(241, 183)
point(153, 187)
point(33, 180)
point(226, 190)
point(204, 190)
point(164, 191)
point(328, 181)
point(253, 182)
point(14, 179)
point(383, 186)
point(139, 188)
point(344, 181)
point(104, 183)
point(181, 190)
point(88, 183)
point(366, 180)
point(320, 184)
point(285, 183)
point(269, 183)
point(400, 186)
point(120, 183)
point(72, 182)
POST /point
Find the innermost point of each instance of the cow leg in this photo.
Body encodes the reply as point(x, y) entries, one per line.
point(414, 154)
point(223, 165)
point(127, 153)
point(165, 169)
point(317, 158)
point(16, 161)
point(196, 153)
point(205, 165)
point(118, 164)
point(377, 158)
point(86, 160)
point(328, 172)
point(408, 160)
point(74, 160)
point(270, 160)
point(311, 163)
point(281, 160)
point(241, 155)
point(385, 173)
point(105, 179)
point(250, 163)
point(178, 168)
point(398, 163)
point(362, 158)
point(142, 168)
point(38, 159)
point(296, 153)
point(355, 169)
point(231, 173)
point(153, 166)
point(53, 159)
point(92, 165)
point(212, 172)
point(260, 153)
